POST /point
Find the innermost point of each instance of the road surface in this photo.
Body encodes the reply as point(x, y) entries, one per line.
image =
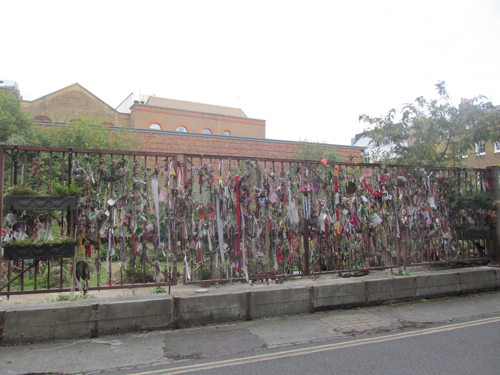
point(459, 335)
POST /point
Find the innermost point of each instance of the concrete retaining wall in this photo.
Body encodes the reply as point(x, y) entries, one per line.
point(65, 320)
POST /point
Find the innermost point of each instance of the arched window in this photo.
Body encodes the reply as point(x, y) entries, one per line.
point(155, 126)
point(42, 119)
point(227, 132)
point(181, 129)
point(207, 131)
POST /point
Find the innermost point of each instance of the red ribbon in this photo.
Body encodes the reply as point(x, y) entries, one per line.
point(88, 250)
point(336, 183)
point(374, 193)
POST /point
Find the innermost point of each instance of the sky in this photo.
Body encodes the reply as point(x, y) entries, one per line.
point(309, 68)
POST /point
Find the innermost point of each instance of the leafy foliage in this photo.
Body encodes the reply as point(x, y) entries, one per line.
point(71, 189)
point(82, 133)
point(21, 190)
point(307, 150)
point(475, 201)
point(15, 125)
point(434, 131)
point(30, 243)
point(16, 128)
point(158, 289)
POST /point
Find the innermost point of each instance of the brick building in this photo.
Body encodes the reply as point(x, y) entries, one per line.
point(176, 126)
point(148, 112)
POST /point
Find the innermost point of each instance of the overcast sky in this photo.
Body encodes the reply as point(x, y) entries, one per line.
point(309, 68)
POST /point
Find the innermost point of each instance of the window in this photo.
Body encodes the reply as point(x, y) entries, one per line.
point(481, 148)
point(496, 146)
point(155, 126)
point(206, 131)
point(181, 129)
point(227, 132)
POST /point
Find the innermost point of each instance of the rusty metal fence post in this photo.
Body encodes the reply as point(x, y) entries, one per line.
point(493, 176)
point(1, 204)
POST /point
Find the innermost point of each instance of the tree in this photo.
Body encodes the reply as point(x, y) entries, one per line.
point(82, 133)
point(15, 125)
point(315, 151)
point(434, 131)
point(16, 128)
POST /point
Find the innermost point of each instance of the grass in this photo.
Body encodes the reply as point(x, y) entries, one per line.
point(29, 279)
point(63, 297)
point(424, 300)
point(402, 273)
point(157, 290)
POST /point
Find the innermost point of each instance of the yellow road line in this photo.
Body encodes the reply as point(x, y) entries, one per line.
point(316, 349)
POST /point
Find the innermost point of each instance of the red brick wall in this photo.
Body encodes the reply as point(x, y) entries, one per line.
point(171, 142)
point(209, 145)
point(142, 116)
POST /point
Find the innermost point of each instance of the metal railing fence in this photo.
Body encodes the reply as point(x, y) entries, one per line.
point(144, 219)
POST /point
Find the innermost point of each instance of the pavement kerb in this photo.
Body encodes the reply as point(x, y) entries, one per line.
point(93, 317)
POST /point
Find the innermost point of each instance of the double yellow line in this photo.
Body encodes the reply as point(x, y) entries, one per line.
point(316, 349)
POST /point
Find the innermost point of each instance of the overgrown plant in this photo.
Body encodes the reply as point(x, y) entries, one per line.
point(435, 131)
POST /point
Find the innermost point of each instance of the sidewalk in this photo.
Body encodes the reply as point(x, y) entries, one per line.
point(38, 317)
point(222, 288)
point(137, 351)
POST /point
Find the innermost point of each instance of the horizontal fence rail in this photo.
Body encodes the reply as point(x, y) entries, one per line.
point(145, 219)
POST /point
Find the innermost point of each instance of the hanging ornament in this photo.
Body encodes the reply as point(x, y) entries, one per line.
point(374, 193)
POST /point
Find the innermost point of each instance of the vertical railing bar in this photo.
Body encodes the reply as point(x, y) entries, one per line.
point(9, 276)
point(37, 264)
point(2, 165)
point(22, 274)
point(61, 276)
point(143, 252)
point(23, 169)
point(48, 273)
point(15, 156)
point(174, 234)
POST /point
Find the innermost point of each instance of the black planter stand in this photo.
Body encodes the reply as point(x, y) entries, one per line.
point(53, 250)
point(477, 234)
point(29, 202)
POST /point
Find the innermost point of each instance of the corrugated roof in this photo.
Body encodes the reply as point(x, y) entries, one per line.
point(196, 107)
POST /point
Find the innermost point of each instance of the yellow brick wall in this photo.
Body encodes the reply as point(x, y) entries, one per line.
point(73, 102)
point(491, 158)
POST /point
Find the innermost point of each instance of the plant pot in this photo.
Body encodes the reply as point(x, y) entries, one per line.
point(53, 250)
point(29, 202)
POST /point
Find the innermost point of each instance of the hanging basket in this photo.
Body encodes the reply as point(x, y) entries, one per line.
point(29, 202)
point(13, 251)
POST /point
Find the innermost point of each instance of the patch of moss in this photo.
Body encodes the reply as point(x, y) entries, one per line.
point(21, 190)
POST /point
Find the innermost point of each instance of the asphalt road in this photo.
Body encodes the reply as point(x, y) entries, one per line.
point(471, 347)
point(456, 335)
